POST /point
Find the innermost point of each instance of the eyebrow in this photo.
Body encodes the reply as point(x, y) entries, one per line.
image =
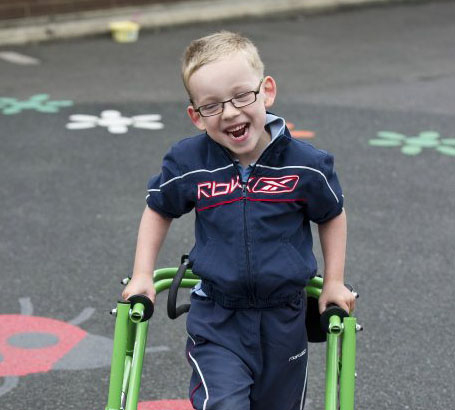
point(236, 90)
point(209, 100)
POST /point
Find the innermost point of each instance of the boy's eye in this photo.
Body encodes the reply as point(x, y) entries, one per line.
point(243, 97)
point(210, 107)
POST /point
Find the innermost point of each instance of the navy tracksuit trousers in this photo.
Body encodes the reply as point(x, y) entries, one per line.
point(251, 359)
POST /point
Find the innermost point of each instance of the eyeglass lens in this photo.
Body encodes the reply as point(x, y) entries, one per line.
point(238, 102)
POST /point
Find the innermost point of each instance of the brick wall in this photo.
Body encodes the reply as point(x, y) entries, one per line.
point(17, 9)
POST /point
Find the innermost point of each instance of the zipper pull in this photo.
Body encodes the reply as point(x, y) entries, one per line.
point(244, 189)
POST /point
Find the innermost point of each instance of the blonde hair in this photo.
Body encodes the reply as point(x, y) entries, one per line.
point(210, 48)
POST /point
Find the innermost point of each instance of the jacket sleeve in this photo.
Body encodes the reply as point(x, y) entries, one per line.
point(169, 193)
point(325, 199)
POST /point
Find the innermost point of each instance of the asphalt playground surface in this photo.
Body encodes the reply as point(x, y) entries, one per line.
point(374, 86)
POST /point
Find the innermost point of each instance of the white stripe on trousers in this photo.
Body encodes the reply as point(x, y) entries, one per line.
point(200, 375)
point(304, 384)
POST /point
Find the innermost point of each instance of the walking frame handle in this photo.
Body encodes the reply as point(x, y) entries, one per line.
point(130, 339)
point(340, 356)
point(142, 308)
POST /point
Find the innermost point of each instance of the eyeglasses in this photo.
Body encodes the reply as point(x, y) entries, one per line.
point(239, 101)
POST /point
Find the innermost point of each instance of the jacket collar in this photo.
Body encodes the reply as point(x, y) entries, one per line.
point(273, 150)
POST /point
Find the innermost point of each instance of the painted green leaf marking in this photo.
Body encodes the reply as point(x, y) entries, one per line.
point(391, 135)
point(11, 110)
point(422, 142)
point(429, 135)
point(415, 145)
point(5, 101)
point(37, 102)
point(446, 150)
point(47, 109)
point(411, 150)
point(39, 97)
point(385, 143)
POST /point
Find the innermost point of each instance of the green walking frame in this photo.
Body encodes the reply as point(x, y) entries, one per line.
point(130, 337)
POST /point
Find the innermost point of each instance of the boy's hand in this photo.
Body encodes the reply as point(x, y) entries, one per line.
point(140, 285)
point(335, 292)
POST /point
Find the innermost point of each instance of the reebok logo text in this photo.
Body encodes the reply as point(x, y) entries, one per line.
point(263, 185)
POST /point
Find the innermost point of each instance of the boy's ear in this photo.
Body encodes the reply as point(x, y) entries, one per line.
point(195, 118)
point(269, 85)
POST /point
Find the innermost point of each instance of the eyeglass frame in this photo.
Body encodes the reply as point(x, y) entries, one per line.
point(198, 110)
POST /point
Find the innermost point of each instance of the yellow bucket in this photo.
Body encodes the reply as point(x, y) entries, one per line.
point(124, 31)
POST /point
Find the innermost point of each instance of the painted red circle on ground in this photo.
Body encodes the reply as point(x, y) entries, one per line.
point(165, 405)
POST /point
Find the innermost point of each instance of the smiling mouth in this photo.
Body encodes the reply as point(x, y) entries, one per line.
point(238, 132)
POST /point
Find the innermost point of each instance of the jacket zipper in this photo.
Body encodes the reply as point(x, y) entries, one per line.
point(251, 287)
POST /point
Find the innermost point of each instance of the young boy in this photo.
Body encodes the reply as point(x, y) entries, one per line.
point(255, 190)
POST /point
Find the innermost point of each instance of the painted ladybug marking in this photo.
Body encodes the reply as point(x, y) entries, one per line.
point(33, 344)
point(21, 343)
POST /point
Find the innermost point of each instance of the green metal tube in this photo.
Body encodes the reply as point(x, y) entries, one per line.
point(313, 292)
point(316, 282)
point(126, 374)
point(137, 312)
point(348, 353)
point(164, 284)
point(131, 331)
point(136, 366)
point(131, 335)
point(331, 376)
point(169, 273)
point(118, 357)
point(126, 379)
point(335, 326)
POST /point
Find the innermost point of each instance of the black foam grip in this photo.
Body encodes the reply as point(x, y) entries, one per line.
point(332, 309)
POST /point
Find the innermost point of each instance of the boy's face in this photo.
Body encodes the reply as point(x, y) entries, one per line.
point(240, 130)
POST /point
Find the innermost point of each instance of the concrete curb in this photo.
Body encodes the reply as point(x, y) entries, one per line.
point(162, 15)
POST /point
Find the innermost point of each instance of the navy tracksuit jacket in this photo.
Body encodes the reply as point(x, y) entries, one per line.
point(253, 247)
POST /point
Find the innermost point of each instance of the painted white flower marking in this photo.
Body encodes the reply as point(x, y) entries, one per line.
point(115, 122)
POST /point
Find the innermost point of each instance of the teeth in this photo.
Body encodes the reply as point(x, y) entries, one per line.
point(237, 128)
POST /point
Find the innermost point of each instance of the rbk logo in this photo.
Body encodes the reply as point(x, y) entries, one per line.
point(281, 185)
point(263, 185)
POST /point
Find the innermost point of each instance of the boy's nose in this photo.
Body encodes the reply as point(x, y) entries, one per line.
point(229, 110)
